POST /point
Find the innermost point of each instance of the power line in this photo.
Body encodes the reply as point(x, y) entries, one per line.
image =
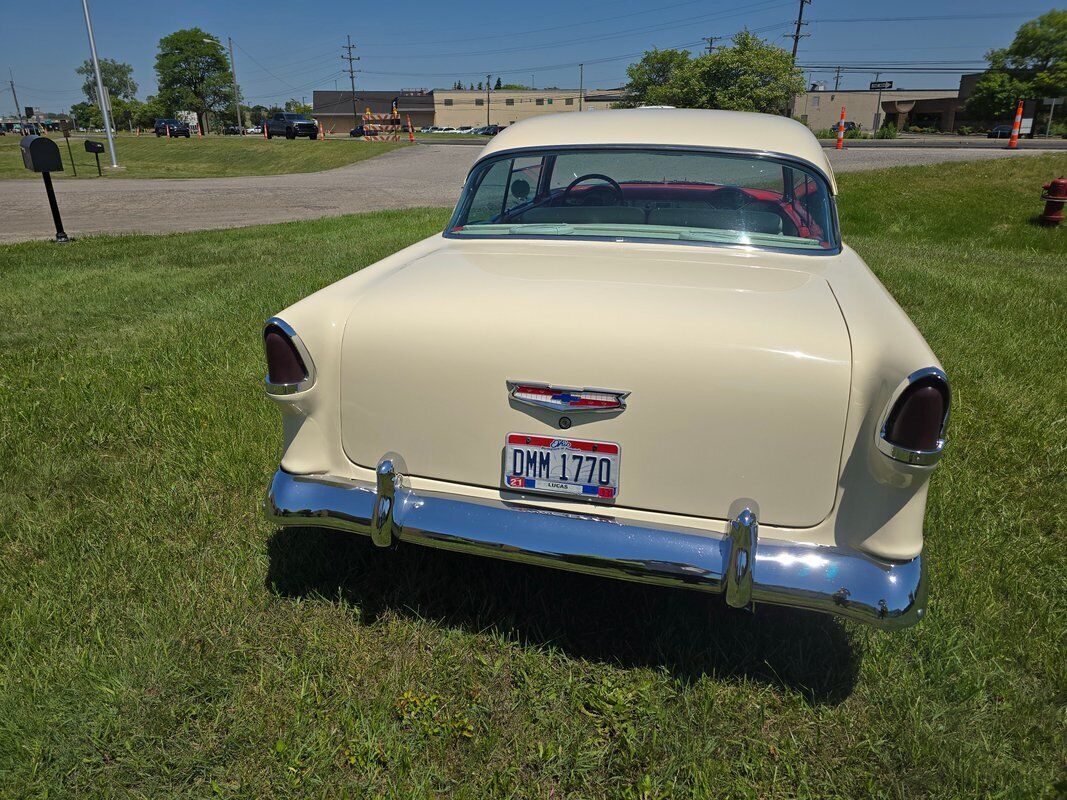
point(938, 17)
point(660, 27)
point(765, 5)
point(284, 83)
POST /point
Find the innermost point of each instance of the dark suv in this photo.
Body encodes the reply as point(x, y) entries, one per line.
point(291, 125)
point(177, 127)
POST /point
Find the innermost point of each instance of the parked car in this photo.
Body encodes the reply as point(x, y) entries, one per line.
point(233, 130)
point(176, 126)
point(291, 125)
point(357, 131)
point(999, 132)
point(488, 130)
point(656, 295)
point(254, 129)
point(426, 129)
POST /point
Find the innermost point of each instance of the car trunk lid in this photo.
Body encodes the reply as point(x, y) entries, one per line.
point(738, 372)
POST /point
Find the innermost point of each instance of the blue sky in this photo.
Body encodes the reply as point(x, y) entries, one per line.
point(287, 48)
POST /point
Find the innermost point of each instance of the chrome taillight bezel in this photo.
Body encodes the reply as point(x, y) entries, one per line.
point(918, 458)
point(302, 352)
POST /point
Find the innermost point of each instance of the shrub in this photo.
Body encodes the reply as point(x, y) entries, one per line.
point(965, 130)
point(888, 131)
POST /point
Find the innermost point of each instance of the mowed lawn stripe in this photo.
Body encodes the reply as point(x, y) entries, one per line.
point(210, 157)
point(158, 638)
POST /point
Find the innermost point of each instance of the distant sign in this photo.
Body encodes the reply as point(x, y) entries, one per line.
point(1053, 101)
point(30, 111)
point(64, 125)
point(880, 85)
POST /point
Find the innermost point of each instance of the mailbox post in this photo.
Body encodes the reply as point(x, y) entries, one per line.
point(64, 125)
point(41, 154)
point(96, 148)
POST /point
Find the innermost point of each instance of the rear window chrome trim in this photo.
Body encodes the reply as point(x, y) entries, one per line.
point(467, 195)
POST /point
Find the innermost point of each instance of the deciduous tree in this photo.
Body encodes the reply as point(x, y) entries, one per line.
point(1034, 65)
point(117, 78)
point(193, 74)
point(750, 75)
point(654, 79)
point(297, 107)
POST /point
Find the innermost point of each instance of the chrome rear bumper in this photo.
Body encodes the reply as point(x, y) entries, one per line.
point(818, 578)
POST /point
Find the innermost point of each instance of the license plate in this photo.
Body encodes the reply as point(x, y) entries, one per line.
point(562, 466)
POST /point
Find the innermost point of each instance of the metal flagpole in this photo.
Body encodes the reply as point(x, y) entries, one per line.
point(104, 110)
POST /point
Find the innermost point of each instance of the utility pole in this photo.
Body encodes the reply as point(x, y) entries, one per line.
point(351, 76)
point(104, 110)
point(18, 108)
point(236, 96)
point(837, 78)
point(487, 77)
point(581, 84)
point(797, 36)
point(711, 42)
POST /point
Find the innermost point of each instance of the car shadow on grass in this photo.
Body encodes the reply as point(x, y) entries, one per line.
point(690, 634)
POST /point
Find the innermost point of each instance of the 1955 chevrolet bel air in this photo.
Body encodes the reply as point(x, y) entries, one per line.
point(639, 350)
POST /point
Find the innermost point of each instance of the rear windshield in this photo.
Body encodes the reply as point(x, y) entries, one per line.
point(648, 193)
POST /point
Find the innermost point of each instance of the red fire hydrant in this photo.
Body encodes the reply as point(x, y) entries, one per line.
point(1055, 196)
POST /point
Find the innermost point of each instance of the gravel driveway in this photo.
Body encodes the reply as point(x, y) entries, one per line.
point(425, 175)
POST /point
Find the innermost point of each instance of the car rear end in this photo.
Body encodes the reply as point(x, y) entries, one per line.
point(708, 412)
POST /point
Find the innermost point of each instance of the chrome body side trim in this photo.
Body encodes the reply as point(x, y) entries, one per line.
point(305, 356)
point(918, 458)
point(832, 580)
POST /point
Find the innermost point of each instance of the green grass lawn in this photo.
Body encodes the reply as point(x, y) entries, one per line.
point(159, 639)
point(210, 157)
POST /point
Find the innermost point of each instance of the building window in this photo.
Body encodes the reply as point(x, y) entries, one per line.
point(479, 101)
point(569, 101)
point(448, 101)
point(540, 101)
point(815, 101)
point(509, 101)
point(550, 101)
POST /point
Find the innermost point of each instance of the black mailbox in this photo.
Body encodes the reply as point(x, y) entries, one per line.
point(41, 154)
point(93, 147)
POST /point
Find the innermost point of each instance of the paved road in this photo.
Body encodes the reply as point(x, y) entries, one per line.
point(427, 175)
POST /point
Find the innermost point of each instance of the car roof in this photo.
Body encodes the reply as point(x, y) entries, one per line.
point(683, 127)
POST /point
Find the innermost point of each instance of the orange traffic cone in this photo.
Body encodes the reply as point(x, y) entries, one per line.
point(1013, 142)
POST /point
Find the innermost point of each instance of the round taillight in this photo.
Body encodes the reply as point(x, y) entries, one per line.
point(284, 365)
point(917, 420)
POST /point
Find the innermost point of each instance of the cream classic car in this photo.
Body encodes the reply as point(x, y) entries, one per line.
point(640, 350)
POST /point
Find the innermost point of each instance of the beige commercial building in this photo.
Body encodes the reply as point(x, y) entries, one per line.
point(822, 109)
point(453, 107)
